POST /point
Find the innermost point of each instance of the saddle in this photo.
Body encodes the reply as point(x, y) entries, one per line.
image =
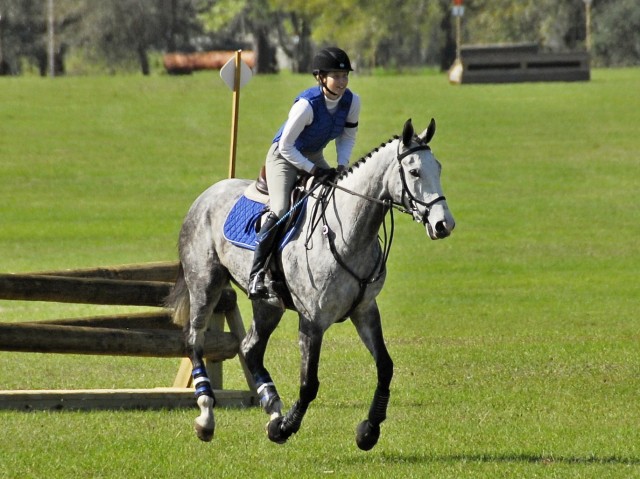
point(261, 181)
point(299, 187)
point(244, 219)
point(243, 223)
point(259, 191)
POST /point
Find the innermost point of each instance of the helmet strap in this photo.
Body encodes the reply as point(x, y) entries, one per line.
point(323, 83)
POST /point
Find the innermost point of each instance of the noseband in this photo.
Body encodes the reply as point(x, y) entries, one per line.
point(412, 201)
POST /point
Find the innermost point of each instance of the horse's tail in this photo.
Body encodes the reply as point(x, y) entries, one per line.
point(178, 300)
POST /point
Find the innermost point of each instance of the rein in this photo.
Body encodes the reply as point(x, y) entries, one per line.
point(319, 209)
point(401, 207)
point(318, 214)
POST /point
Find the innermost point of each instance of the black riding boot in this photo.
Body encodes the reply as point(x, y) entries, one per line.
point(266, 241)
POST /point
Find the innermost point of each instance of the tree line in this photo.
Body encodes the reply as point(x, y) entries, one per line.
point(120, 35)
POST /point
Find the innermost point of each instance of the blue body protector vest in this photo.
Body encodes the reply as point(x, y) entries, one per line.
point(325, 126)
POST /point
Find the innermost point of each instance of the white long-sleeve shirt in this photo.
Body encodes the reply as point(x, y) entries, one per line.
point(301, 115)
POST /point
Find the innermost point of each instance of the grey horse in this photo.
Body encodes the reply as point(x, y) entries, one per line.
point(332, 269)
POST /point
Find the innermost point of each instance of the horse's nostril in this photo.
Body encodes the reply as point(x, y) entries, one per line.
point(441, 230)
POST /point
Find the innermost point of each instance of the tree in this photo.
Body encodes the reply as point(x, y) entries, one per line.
point(552, 24)
point(178, 22)
point(238, 20)
point(294, 37)
point(295, 28)
point(617, 33)
point(374, 32)
point(383, 33)
point(23, 27)
point(121, 32)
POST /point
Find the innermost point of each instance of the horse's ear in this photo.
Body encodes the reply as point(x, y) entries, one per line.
point(427, 134)
point(407, 133)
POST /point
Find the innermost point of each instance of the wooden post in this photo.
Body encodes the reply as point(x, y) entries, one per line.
point(183, 377)
point(458, 40)
point(234, 115)
point(236, 326)
point(587, 5)
point(51, 38)
point(214, 368)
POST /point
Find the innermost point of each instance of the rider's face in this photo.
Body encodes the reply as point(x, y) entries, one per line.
point(336, 82)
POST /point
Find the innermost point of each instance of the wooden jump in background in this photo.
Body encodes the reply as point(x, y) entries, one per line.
point(522, 62)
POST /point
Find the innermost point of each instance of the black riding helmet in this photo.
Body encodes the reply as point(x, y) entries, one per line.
point(331, 59)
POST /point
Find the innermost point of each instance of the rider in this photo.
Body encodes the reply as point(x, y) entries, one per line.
point(328, 111)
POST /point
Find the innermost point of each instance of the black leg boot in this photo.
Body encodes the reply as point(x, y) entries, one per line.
point(266, 240)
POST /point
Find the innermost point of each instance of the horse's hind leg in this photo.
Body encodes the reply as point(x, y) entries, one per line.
point(281, 428)
point(266, 317)
point(369, 327)
point(204, 293)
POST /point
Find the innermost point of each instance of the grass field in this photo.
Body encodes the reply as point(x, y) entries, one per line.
point(516, 341)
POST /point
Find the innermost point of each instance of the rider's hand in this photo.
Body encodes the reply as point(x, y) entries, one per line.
point(324, 175)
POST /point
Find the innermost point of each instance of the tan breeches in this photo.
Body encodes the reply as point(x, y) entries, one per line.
point(281, 177)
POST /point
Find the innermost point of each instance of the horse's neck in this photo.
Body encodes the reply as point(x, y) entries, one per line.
point(370, 175)
point(360, 215)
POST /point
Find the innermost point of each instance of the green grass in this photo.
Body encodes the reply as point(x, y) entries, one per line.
point(516, 341)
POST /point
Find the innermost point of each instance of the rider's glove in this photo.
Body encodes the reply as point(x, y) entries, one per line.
point(324, 175)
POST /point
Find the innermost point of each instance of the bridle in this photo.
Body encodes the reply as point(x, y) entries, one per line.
point(412, 201)
point(409, 205)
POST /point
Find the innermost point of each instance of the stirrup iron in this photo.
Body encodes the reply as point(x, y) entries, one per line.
point(257, 289)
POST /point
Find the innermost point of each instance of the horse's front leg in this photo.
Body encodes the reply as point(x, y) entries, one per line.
point(281, 428)
point(369, 327)
point(266, 317)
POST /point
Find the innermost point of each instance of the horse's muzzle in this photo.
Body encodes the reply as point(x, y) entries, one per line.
point(440, 231)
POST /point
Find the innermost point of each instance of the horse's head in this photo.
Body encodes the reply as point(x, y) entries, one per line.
point(420, 177)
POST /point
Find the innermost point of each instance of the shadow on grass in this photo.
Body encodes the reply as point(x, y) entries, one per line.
point(544, 459)
point(539, 459)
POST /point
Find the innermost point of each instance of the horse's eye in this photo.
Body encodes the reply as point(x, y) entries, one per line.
point(415, 173)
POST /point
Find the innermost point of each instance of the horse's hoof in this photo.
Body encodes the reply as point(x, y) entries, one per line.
point(204, 434)
point(367, 435)
point(274, 432)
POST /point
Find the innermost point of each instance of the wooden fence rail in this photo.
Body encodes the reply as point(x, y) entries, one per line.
point(53, 338)
point(160, 271)
point(148, 334)
point(83, 290)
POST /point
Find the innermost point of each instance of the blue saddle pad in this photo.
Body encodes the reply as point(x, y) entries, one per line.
point(239, 227)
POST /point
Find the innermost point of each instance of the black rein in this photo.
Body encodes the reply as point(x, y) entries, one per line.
point(380, 266)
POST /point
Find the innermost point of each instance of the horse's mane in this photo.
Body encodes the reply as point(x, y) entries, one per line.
point(364, 158)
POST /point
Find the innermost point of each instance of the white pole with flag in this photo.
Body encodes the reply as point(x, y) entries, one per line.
point(235, 73)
